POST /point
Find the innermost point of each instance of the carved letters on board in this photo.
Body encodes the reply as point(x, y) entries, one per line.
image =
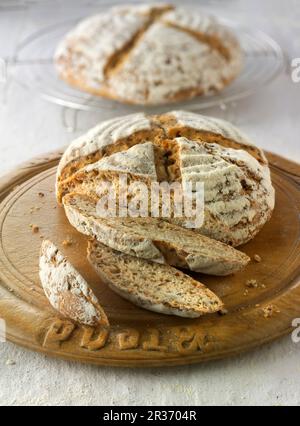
point(183, 340)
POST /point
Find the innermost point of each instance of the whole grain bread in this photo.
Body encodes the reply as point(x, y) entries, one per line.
point(154, 239)
point(158, 288)
point(149, 54)
point(66, 290)
point(183, 147)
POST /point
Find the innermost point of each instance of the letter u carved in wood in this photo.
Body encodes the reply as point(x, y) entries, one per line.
point(94, 340)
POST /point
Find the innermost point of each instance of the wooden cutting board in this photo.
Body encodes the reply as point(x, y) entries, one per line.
point(137, 337)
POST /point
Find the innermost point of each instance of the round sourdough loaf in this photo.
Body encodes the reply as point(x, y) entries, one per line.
point(183, 147)
point(149, 54)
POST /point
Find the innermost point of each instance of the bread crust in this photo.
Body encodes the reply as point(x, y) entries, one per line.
point(154, 239)
point(158, 288)
point(149, 55)
point(178, 146)
point(66, 289)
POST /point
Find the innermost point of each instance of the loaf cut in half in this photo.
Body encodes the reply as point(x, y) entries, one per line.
point(158, 288)
point(154, 239)
point(66, 290)
point(149, 54)
point(177, 147)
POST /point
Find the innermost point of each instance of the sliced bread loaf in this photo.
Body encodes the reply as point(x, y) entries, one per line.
point(154, 239)
point(158, 288)
point(66, 289)
point(177, 147)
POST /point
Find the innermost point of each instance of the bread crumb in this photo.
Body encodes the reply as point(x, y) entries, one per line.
point(67, 243)
point(252, 284)
point(246, 292)
point(269, 310)
point(10, 362)
point(257, 258)
point(34, 209)
point(35, 229)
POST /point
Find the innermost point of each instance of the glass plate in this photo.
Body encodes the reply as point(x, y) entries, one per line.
point(263, 62)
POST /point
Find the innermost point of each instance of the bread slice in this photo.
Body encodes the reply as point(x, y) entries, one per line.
point(158, 288)
point(154, 239)
point(66, 289)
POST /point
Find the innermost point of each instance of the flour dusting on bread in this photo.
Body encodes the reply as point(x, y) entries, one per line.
point(181, 147)
point(66, 289)
point(149, 54)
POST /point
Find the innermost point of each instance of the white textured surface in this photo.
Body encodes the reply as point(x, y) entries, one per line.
point(269, 375)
